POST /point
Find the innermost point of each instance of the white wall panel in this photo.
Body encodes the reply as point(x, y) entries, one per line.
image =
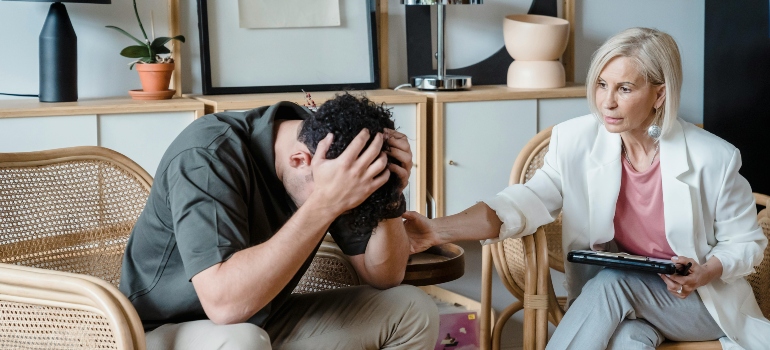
point(142, 137)
point(43, 133)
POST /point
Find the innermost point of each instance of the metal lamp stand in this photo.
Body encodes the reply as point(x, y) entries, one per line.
point(440, 81)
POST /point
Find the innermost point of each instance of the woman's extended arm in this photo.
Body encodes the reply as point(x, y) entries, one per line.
point(478, 222)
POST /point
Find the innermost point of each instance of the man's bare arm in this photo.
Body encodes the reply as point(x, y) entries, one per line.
point(383, 264)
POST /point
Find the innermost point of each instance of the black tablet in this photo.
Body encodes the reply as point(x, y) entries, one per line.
point(627, 261)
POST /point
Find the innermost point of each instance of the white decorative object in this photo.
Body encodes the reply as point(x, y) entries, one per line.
point(535, 42)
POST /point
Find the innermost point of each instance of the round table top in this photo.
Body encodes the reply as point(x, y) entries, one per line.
point(438, 264)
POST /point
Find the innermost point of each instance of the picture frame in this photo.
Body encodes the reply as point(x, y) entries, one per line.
point(284, 59)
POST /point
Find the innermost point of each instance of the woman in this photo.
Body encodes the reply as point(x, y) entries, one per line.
point(635, 178)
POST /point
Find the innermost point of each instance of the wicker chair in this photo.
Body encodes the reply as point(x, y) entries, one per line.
point(65, 218)
point(527, 261)
point(516, 261)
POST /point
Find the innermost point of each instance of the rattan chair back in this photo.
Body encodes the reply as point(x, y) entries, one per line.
point(760, 279)
point(65, 216)
point(70, 209)
point(330, 269)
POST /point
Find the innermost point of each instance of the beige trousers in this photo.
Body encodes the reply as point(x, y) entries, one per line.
point(361, 317)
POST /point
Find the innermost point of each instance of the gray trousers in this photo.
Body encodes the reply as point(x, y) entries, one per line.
point(361, 317)
point(631, 310)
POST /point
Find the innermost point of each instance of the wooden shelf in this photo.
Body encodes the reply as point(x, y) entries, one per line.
point(220, 103)
point(500, 92)
point(112, 105)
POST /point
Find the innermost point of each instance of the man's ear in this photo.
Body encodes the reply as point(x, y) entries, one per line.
point(300, 159)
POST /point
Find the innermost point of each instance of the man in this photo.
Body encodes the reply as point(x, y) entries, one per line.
point(240, 204)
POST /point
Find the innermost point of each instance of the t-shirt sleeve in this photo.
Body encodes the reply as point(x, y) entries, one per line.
point(206, 194)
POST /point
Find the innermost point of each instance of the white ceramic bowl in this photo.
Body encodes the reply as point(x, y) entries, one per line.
point(535, 37)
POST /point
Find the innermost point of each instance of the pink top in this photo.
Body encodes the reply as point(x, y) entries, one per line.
point(639, 225)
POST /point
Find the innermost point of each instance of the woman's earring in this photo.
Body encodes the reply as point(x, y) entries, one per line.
point(654, 131)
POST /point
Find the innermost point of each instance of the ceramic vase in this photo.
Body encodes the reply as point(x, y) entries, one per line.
point(535, 42)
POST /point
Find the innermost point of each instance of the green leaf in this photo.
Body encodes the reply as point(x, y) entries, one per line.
point(161, 41)
point(161, 50)
point(126, 34)
point(136, 51)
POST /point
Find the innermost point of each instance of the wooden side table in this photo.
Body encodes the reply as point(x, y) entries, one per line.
point(439, 264)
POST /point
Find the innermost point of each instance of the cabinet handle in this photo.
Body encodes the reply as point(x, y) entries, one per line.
point(451, 162)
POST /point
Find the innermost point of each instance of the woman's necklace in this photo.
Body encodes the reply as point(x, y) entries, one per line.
point(623, 145)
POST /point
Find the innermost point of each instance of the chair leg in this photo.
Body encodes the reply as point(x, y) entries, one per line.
point(486, 297)
point(497, 332)
point(530, 288)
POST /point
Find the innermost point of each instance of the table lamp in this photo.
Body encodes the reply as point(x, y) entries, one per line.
point(441, 81)
point(59, 53)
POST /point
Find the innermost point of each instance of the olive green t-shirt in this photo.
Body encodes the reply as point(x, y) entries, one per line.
point(215, 193)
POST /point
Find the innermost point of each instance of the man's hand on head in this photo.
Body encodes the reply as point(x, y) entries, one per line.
point(343, 183)
point(400, 151)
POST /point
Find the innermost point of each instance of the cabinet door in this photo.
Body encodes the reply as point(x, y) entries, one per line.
point(482, 140)
point(142, 137)
point(44, 133)
point(552, 111)
point(405, 116)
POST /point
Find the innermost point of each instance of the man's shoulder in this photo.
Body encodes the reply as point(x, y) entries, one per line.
point(203, 137)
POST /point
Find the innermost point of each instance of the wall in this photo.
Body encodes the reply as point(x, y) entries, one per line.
point(736, 96)
point(101, 70)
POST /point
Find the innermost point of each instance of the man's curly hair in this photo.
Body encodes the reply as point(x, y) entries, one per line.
point(345, 116)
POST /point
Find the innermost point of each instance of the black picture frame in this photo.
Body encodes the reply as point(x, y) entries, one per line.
point(420, 55)
point(206, 70)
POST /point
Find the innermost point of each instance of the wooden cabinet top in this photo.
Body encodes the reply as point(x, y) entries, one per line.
point(85, 106)
point(501, 92)
point(219, 103)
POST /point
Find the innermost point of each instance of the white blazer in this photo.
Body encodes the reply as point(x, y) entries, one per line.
point(708, 208)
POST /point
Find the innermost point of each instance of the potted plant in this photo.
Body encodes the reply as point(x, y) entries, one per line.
point(154, 70)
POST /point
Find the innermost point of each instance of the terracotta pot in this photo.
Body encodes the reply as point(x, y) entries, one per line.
point(155, 77)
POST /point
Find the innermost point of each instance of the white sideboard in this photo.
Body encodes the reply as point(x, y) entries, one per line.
point(141, 130)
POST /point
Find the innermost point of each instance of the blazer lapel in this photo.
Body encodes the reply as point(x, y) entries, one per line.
point(603, 186)
point(677, 196)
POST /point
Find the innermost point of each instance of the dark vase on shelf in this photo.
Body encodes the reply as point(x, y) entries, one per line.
point(58, 57)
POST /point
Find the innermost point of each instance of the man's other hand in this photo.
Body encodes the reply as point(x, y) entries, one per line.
point(346, 181)
point(399, 150)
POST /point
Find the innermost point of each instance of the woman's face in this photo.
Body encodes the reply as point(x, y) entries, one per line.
point(626, 101)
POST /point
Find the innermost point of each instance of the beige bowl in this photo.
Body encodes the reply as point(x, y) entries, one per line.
point(536, 75)
point(535, 37)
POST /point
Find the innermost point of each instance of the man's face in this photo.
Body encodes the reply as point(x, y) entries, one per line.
point(299, 185)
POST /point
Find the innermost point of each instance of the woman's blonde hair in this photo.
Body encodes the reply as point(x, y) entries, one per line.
point(657, 59)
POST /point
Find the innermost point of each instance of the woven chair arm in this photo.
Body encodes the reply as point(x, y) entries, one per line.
point(43, 294)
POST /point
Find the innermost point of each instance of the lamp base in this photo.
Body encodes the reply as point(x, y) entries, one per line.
point(449, 82)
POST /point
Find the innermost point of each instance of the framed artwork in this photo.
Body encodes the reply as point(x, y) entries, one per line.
point(237, 60)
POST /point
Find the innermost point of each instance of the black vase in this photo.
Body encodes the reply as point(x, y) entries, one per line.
point(58, 57)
